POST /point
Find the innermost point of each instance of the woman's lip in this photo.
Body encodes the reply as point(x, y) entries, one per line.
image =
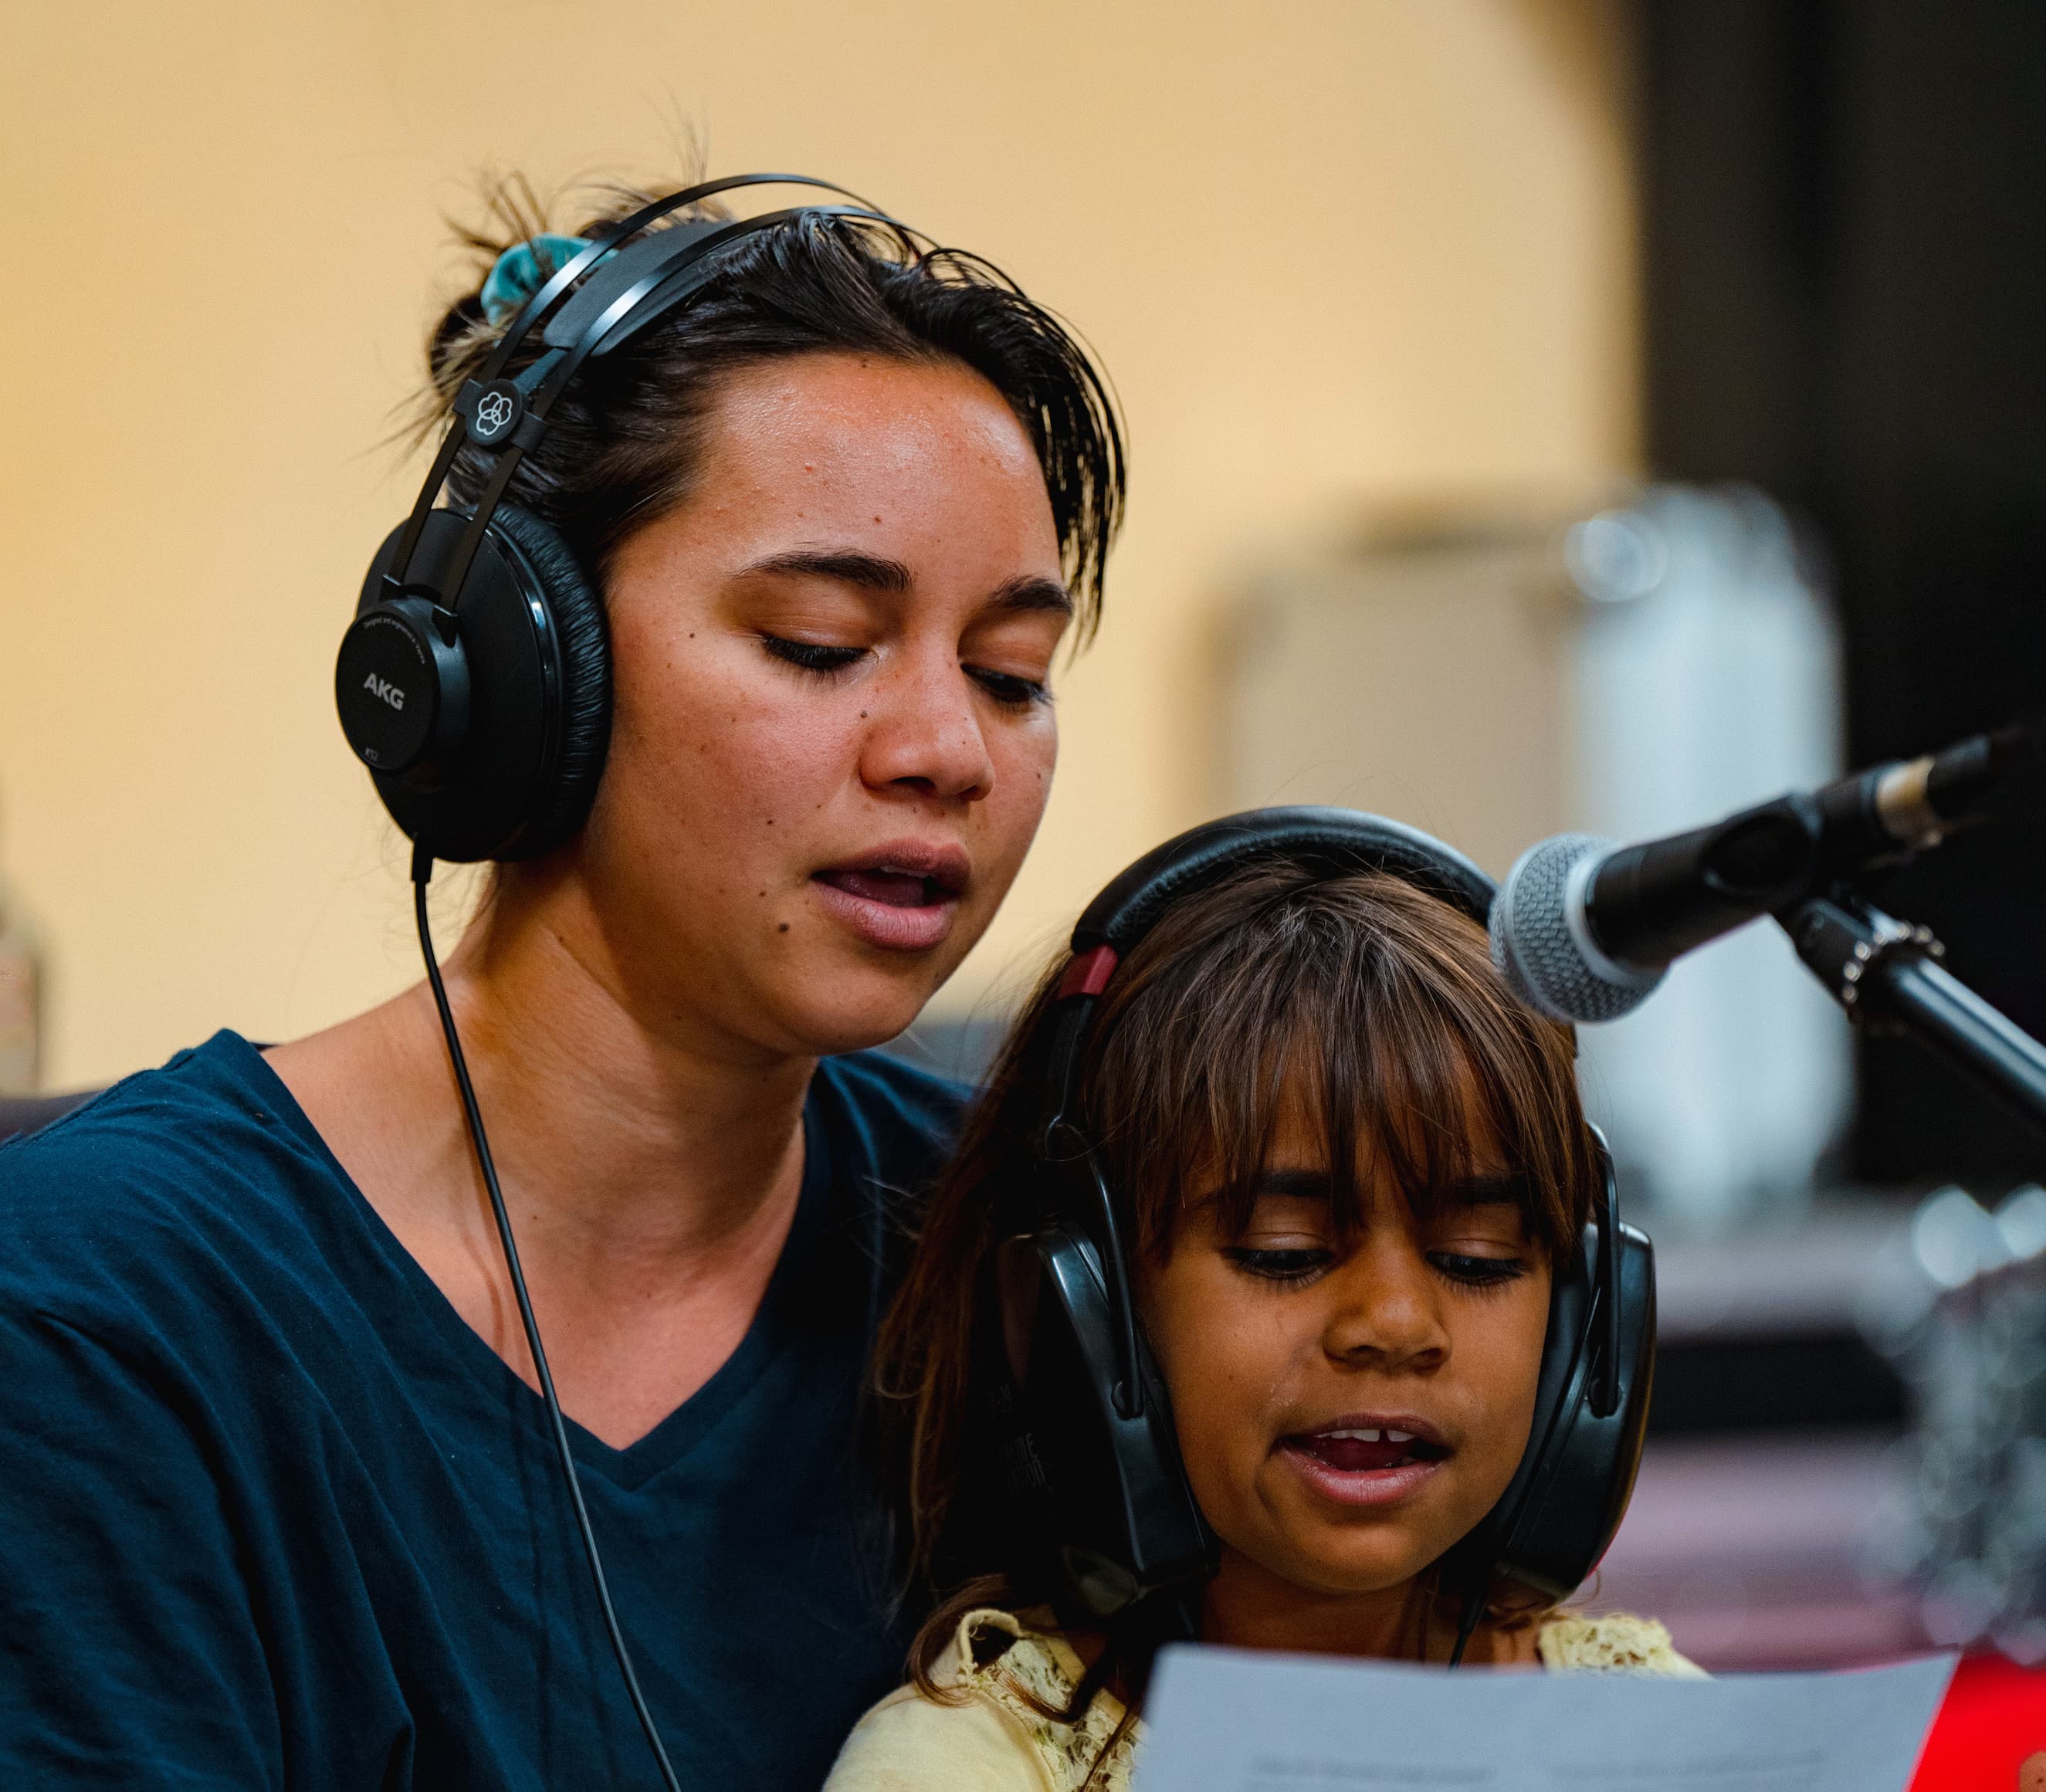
point(946, 864)
point(889, 925)
point(1367, 1487)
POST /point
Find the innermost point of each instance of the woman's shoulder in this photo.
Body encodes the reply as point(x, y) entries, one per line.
point(174, 1181)
point(992, 1726)
point(1613, 1642)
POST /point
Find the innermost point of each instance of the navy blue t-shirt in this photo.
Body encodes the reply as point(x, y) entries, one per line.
point(272, 1515)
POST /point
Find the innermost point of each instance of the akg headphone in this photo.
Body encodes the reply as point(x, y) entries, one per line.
point(475, 681)
point(1089, 1458)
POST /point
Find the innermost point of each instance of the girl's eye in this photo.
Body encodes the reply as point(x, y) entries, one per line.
point(1279, 1265)
point(1478, 1272)
point(812, 656)
point(1008, 690)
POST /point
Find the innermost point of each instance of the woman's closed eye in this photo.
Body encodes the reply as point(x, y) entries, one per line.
point(1011, 690)
point(812, 656)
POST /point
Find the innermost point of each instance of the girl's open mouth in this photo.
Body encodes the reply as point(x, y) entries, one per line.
point(1364, 1465)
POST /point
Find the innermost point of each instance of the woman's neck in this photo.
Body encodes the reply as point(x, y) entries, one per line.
point(1248, 1607)
point(650, 1165)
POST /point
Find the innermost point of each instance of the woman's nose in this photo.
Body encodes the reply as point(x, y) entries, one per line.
point(924, 734)
point(1386, 1312)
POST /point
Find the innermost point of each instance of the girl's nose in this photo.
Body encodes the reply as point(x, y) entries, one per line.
point(1385, 1311)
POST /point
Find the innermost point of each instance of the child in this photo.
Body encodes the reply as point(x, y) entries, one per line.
point(1343, 1159)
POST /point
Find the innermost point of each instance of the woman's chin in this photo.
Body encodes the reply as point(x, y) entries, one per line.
point(856, 1010)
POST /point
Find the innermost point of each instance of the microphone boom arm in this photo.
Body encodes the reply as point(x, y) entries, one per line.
point(1886, 973)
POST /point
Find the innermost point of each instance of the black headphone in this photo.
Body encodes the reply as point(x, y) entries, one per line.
point(475, 681)
point(1089, 1457)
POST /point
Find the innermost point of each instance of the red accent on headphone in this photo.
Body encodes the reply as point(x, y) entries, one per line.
point(1088, 972)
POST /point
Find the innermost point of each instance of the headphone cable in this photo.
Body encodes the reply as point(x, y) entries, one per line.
point(422, 871)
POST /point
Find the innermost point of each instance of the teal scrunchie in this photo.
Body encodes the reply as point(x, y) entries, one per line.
point(522, 269)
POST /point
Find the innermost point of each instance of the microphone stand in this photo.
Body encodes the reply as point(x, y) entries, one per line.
point(1886, 973)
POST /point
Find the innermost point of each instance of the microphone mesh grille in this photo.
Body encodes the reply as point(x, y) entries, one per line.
point(1532, 944)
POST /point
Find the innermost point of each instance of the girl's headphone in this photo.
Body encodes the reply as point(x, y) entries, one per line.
point(1090, 1455)
point(475, 681)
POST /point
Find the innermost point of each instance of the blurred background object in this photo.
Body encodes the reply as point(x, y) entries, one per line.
point(1544, 413)
point(1663, 661)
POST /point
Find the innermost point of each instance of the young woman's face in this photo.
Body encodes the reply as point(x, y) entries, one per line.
point(1347, 1412)
point(833, 740)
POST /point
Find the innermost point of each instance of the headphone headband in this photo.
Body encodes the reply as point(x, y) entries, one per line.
point(1333, 840)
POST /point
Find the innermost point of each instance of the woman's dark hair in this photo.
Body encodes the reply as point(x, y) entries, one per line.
point(1368, 1000)
point(624, 440)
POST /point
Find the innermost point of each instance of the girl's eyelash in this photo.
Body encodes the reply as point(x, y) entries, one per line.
point(1297, 1266)
point(812, 656)
point(1279, 1265)
point(1478, 1272)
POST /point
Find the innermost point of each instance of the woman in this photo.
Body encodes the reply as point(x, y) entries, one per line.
point(279, 1496)
point(1345, 1162)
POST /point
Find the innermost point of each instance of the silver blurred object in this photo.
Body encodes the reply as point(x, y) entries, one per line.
point(1963, 1318)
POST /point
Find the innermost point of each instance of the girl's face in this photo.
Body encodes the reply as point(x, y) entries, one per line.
point(832, 738)
point(1348, 1411)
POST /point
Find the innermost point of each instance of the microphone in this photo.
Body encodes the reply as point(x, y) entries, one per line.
point(1584, 927)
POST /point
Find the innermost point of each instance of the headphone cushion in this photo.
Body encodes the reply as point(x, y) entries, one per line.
point(584, 641)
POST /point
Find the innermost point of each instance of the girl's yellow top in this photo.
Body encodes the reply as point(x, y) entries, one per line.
point(989, 1737)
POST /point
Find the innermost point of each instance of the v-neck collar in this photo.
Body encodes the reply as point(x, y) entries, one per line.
point(674, 1436)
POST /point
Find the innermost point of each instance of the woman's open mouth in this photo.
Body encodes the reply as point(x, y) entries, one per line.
point(902, 896)
point(1362, 1463)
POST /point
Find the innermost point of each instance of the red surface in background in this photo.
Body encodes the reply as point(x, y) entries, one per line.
point(1995, 1715)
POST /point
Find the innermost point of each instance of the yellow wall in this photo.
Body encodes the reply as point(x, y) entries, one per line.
point(1331, 250)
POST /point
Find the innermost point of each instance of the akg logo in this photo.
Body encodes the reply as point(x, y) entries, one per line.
point(494, 414)
point(384, 688)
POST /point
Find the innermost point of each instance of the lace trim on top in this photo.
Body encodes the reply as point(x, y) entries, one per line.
point(1617, 1643)
point(1040, 1666)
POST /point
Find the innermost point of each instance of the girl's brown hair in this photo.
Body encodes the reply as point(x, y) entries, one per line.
point(1362, 997)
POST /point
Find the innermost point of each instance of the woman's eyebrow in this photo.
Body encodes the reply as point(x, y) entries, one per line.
point(874, 572)
point(846, 566)
point(1030, 593)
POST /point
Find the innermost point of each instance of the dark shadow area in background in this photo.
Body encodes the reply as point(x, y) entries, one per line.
point(1803, 1382)
point(1844, 284)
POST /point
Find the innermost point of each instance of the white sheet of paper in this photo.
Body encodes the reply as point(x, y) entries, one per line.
point(1232, 1721)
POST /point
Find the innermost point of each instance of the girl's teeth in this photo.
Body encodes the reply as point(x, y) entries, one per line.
point(1375, 1436)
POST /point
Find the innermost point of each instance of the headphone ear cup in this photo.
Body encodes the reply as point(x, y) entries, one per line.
point(583, 638)
point(1559, 1513)
point(1104, 1495)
